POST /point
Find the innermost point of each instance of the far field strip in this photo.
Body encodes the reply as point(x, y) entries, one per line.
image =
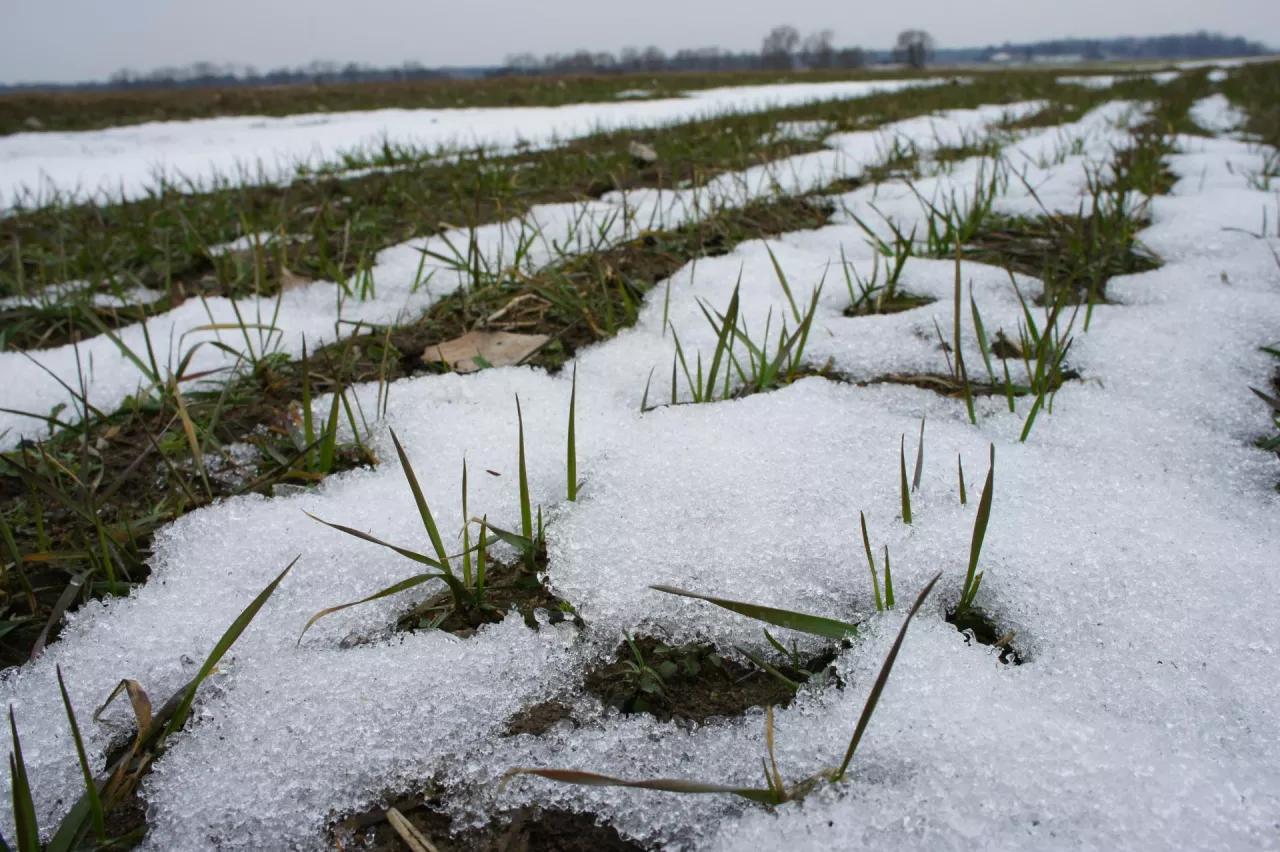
point(128, 162)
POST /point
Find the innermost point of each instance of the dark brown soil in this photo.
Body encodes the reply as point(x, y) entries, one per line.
point(538, 719)
point(723, 689)
point(941, 384)
point(899, 303)
point(507, 588)
point(527, 829)
point(985, 631)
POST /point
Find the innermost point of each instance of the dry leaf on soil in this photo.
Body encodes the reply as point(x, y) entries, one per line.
point(496, 348)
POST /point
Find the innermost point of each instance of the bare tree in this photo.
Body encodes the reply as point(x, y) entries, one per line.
point(850, 57)
point(778, 46)
point(914, 47)
point(817, 51)
point(654, 59)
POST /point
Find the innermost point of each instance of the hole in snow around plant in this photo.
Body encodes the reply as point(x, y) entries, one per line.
point(695, 682)
point(526, 829)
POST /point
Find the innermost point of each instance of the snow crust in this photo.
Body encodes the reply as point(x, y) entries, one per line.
point(1132, 548)
point(129, 161)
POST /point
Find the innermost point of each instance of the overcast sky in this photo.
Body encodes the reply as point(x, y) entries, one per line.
point(68, 40)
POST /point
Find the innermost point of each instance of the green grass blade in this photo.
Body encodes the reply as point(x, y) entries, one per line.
point(888, 580)
point(572, 462)
point(466, 530)
point(423, 510)
point(813, 624)
point(981, 331)
point(871, 562)
point(308, 418)
point(964, 498)
point(224, 644)
point(728, 328)
point(881, 679)
point(408, 554)
point(915, 477)
point(416, 580)
point(667, 785)
point(979, 533)
point(526, 507)
point(26, 830)
point(760, 663)
point(519, 542)
point(782, 279)
point(1031, 416)
point(906, 493)
point(90, 786)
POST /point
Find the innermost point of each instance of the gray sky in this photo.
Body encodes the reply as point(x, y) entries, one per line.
point(67, 40)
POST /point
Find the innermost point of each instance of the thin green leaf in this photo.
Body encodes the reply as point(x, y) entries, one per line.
point(812, 624)
point(408, 554)
point(423, 510)
point(224, 644)
point(90, 785)
point(873, 698)
point(871, 562)
point(403, 585)
point(526, 507)
point(26, 829)
point(979, 533)
point(906, 493)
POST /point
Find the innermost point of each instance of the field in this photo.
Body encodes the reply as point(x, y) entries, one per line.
point(884, 463)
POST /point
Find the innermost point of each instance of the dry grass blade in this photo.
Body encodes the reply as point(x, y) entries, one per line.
point(64, 601)
point(668, 785)
point(414, 839)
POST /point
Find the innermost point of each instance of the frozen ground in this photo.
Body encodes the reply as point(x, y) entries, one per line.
point(129, 161)
point(407, 282)
point(1132, 547)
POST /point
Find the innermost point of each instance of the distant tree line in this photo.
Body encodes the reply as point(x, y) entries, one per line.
point(782, 49)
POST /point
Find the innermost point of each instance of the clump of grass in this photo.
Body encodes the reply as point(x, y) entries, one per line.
point(727, 377)
point(105, 792)
point(775, 790)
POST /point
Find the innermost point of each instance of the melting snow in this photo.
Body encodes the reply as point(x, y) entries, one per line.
point(1132, 547)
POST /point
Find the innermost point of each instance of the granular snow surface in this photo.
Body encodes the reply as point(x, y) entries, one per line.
point(1132, 547)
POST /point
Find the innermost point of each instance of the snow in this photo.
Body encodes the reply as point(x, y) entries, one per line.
point(58, 295)
point(129, 161)
point(1106, 81)
point(406, 285)
point(1131, 548)
point(1216, 114)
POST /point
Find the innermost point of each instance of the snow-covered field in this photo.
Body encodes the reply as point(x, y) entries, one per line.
point(1133, 542)
point(129, 161)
